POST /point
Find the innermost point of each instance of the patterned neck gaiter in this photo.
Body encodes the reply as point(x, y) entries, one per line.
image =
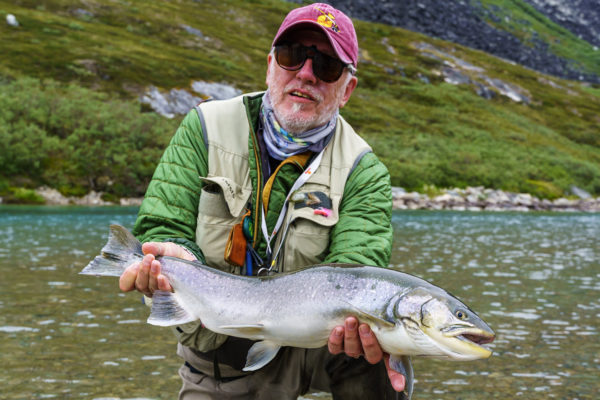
point(281, 144)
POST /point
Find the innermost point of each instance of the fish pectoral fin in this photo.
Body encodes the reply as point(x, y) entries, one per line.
point(368, 317)
point(260, 354)
point(166, 310)
point(403, 365)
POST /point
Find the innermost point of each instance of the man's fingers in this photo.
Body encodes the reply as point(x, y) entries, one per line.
point(154, 248)
point(166, 249)
point(352, 345)
point(127, 279)
point(143, 276)
point(163, 283)
point(153, 277)
point(370, 345)
point(397, 380)
point(336, 340)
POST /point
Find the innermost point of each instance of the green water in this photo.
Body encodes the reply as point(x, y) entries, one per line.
point(535, 278)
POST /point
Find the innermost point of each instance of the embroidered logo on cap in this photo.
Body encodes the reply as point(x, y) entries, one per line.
point(327, 20)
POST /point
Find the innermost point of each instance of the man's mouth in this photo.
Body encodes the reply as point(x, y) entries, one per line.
point(303, 95)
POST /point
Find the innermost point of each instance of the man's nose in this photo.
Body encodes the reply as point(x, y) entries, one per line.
point(306, 72)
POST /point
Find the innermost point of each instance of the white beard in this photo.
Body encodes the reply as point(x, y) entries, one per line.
point(292, 121)
point(294, 124)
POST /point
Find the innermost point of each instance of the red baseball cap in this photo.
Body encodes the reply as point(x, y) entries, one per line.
point(335, 24)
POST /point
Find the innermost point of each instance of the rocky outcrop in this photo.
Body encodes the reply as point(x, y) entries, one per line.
point(482, 199)
point(469, 23)
point(174, 102)
point(459, 72)
point(582, 17)
point(179, 101)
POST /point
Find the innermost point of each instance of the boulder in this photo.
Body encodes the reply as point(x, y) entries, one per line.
point(582, 194)
point(12, 20)
point(217, 91)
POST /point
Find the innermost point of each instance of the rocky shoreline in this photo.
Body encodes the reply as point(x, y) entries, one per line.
point(482, 199)
point(468, 199)
point(53, 197)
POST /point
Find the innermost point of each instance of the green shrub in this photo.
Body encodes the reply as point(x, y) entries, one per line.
point(541, 189)
point(75, 139)
point(24, 196)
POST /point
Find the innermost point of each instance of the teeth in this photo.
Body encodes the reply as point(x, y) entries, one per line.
point(300, 95)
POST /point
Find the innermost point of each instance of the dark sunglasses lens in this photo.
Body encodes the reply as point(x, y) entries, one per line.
point(290, 57)
point(327, 68)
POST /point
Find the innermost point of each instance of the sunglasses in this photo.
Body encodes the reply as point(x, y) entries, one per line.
point(293, 56)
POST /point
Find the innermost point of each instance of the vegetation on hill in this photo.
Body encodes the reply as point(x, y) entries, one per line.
point(75, 140)
point(70, 118)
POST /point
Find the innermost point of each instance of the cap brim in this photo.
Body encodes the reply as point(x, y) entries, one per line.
point(339, 51)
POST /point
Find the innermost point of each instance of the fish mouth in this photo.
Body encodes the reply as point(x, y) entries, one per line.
point(461, 343)
point(479, 338)
point(470, 334)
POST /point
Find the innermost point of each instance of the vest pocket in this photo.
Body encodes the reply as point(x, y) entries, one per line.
point(221, 206)
point(306, 244)
point(212, 202)
point(307, 239)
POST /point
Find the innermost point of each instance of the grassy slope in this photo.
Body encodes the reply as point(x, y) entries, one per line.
point(425, 133)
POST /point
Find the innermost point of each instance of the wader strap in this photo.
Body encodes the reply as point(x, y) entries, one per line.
point(216, 369)
point(232, 353)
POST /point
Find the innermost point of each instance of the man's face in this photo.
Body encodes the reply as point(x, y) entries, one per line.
point(301, 101)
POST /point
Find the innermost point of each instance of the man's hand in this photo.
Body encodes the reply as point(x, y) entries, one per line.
point(145, 276)
point(355, 340)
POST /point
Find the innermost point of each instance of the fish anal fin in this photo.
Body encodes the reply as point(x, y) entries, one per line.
point(370, 318)
point(403, 365)
point(244, 328)
point(260, 354)
point(166, 310)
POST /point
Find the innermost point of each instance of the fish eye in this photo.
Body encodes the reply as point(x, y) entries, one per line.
point(460, 314)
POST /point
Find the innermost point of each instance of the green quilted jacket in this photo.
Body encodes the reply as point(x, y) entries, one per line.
point(169, 211)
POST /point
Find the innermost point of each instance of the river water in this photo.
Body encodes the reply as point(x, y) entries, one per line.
point(535, 278)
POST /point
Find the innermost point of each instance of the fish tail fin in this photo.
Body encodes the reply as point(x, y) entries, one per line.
point(121, 250)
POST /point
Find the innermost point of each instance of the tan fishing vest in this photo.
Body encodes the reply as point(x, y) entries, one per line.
point(228, 188)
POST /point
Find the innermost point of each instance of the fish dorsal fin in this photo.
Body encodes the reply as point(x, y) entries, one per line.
point(370, 318)
point(403, 365)
point(166, 310)
point(245, 328)
point(260, 354)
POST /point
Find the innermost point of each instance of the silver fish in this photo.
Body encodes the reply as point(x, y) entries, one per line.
point(408, 315)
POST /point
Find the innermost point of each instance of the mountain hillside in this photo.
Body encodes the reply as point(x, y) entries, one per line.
point(539, 34)
point(80, 81)
point(582, 17)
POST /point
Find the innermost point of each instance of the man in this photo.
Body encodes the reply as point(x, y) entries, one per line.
point(272, 182)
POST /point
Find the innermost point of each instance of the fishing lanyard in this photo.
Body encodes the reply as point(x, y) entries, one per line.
point(299, 182)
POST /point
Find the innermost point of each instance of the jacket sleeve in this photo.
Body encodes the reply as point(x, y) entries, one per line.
point(170, 207)
point(363, 234)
